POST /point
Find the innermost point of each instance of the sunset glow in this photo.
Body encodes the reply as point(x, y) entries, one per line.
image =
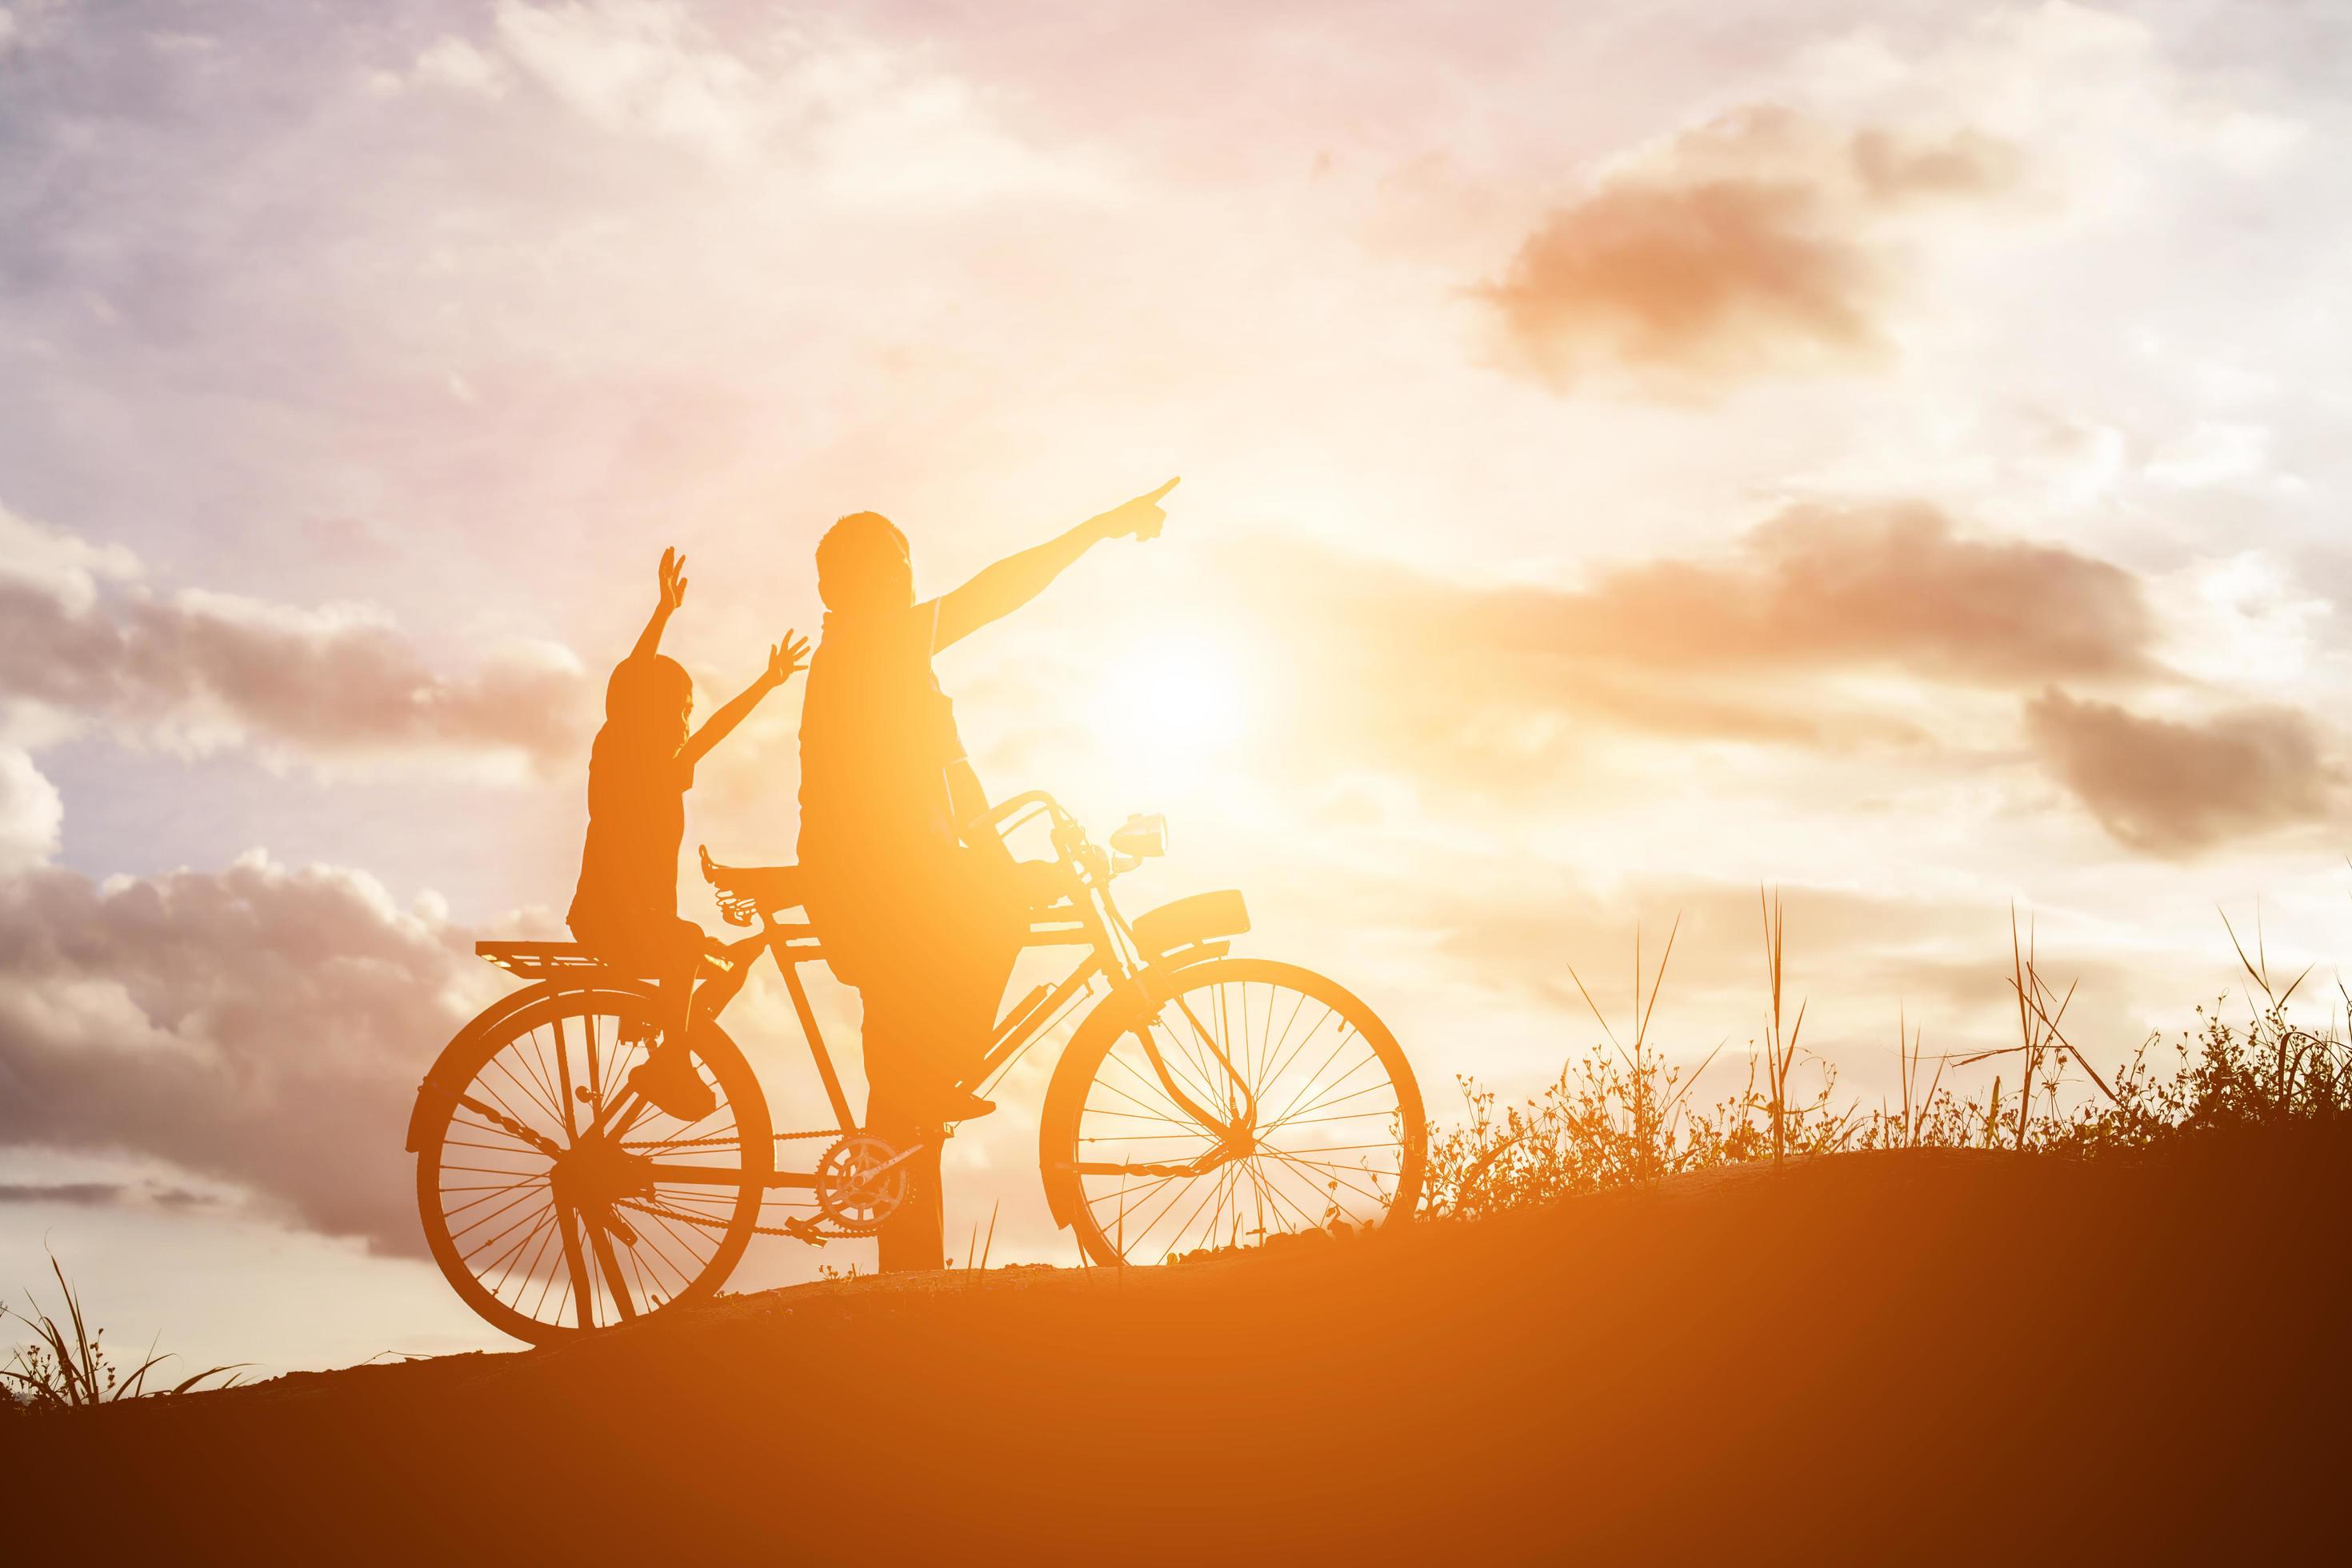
point(1179, 704)
point(1633, 458)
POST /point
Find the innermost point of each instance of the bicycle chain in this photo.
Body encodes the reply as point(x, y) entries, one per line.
point(708, 1143)
point(505, 1123)
point(662, 1211)
point(806, 1229)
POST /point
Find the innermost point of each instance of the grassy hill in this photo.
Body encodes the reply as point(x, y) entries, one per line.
point(1864, 1357)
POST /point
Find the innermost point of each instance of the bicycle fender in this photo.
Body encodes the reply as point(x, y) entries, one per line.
point(1157, 980)
point(433, 1098)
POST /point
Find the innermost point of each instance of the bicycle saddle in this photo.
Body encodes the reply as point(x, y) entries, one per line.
point(769, 889)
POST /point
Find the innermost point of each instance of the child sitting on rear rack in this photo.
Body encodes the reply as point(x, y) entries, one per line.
point(625, 910)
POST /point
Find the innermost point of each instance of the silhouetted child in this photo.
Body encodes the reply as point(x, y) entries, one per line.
point(625, 910)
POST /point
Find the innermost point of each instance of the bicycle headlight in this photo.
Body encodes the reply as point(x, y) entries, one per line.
point(1141, 836)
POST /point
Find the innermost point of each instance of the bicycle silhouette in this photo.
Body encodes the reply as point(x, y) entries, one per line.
point(1204, 1102)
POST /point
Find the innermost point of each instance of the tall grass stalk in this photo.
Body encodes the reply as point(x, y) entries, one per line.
point(67, 1368)
point(1622, 1114)
point(1779, 1054)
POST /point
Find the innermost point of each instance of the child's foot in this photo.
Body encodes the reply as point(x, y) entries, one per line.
point(667, 1079)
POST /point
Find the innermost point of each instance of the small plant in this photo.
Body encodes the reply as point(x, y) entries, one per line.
point(67, 1368)
point(1623, 1115)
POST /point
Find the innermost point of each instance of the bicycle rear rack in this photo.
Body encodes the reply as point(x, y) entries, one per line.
point(541, 960)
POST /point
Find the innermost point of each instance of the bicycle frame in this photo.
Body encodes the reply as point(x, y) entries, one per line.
point(1087, 916)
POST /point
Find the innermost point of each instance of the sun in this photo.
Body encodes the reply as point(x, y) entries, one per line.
point(1172, 700)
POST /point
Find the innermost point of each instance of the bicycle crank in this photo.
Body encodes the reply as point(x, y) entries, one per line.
point(861, 1183)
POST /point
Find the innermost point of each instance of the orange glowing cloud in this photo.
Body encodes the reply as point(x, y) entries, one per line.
point(1755, 245)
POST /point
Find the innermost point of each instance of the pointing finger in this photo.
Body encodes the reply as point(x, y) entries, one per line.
point(1163, 489)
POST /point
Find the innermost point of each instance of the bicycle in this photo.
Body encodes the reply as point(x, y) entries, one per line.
point(557, 1200)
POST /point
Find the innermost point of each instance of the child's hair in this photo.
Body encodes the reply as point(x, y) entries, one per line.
point(646, 691)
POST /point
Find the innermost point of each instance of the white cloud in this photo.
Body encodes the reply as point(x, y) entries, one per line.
point(2245, 620)
point(872, 121)
point(454, 63)
point(30, 812)
point(263, 1024)
point(2215, 452)
point(62, 566)
point(640, 66)
point(83, 635)
point(2094, 93)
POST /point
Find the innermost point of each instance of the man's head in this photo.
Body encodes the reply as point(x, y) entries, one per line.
point(862, 565)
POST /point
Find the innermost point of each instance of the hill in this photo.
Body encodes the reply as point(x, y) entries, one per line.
point(1887, 1356)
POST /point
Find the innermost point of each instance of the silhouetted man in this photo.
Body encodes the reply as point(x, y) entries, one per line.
point(924, 923)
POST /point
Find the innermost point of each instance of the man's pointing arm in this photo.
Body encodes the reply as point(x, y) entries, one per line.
point(1000, 589)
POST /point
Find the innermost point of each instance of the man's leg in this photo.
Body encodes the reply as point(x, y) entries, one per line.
point(915, 1238)
point(951, 1014)
point(897, 1101)
point(926, 1022)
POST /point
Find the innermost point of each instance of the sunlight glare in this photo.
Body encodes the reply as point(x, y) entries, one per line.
point(1173, 700)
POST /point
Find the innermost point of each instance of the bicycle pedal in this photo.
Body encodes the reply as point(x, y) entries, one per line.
point(966, 1107)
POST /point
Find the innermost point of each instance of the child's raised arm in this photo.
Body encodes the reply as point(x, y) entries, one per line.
point(673, 594)
point(783, 659)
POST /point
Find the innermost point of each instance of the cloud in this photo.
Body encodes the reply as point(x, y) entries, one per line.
point(872, 119)
point(1885, 585)
point(104, 1194)
point(1894, 169)
point(30, 813)
point(449, 64)
point(86, 1193)
point(2174, 787)
point(1761, 243)
point(1773, 640)
point(80, 631)
point(265, 1025)
point(634, 64)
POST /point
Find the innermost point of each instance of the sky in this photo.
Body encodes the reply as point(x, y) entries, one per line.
point(1633, 456)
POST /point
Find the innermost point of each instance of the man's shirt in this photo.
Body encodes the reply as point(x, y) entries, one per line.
point(878, 738)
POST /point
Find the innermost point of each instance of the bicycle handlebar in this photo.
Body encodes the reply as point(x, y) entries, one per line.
point(995, 815)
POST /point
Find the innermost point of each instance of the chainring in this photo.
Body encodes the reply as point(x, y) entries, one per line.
point(850, 1194)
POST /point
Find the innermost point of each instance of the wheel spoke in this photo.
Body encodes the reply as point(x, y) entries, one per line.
point(538, 1265)
point(1325, 1100)
point(563, 1068)
point(1133, 1146)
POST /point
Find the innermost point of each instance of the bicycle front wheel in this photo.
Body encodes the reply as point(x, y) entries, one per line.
point(1258, 1100)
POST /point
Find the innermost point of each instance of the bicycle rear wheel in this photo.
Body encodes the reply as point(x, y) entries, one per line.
point(555, 1201)
point(1323, 1129)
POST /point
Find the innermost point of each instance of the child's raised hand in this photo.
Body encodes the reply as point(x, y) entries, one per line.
point(673, 580)
point(787, 659)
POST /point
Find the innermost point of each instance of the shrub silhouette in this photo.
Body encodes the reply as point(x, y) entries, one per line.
point(1620, 1115)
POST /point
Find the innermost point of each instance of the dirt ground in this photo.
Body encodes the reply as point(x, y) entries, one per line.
point(1863, 1358)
